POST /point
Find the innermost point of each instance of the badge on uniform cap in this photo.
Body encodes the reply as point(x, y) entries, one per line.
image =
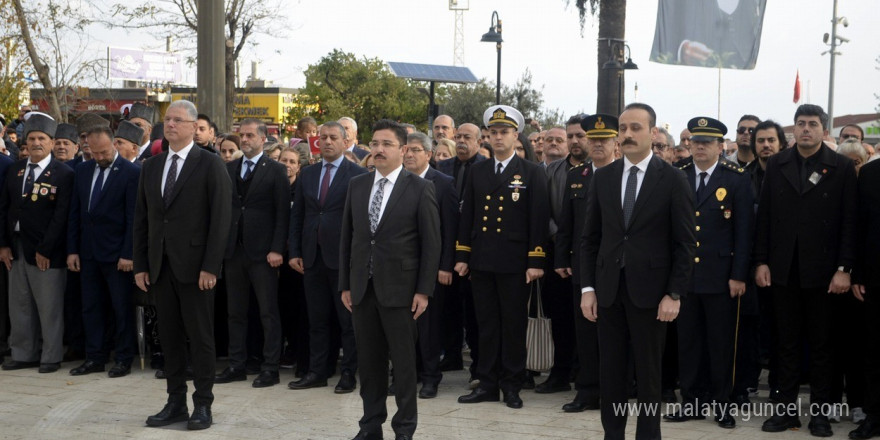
point(720, 194)
point(702, 122)
point(599, 124)
point(499, 114)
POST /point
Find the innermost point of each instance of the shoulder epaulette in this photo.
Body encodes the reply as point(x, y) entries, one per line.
point(686, 166)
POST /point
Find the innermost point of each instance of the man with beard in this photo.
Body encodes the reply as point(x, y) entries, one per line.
point(555, 290)
point(744, 129)
point(601, 134)
point(444, 128)
point(805, 248)
point(99, 246)
point(461, 321)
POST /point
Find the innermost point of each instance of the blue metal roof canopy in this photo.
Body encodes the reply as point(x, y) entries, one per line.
point(432, 73)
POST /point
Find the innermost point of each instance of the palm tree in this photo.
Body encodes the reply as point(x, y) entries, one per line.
point(612, 19)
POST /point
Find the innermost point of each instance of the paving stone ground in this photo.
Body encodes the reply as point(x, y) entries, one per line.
point(95, 407)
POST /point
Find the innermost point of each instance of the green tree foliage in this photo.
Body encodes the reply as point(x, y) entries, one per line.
point(341, 84)
point(14, 66)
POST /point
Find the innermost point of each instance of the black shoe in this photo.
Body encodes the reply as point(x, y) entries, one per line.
point(310, 381)
point(428, 391)
point(479, 395)
point(49, 368)
point(368, 436)
point(171, 413)
point(679, 416)
point(820, 426)
point(230, 374)
point(779, 423)
point(581, 403)
point(119, 370)
point(529, 383)
point(266, 379)
point(87, 367)
point(200, 419)
point(870, 428)
point(157, 361)
point(402, 437)
point(511, 398)
point(726, 421)
point(160, 373)
point(346, 383)
point(552, 385)
point(450, 364)
point(19, 365)
point(668, 396)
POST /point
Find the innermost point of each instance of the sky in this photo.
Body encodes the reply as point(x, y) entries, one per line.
point(544, 37)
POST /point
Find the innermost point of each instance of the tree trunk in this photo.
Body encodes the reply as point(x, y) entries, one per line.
point(612, 19)
point(40, 67)
point(226, 124)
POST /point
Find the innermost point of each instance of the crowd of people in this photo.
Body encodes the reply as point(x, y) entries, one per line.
point(662, 266)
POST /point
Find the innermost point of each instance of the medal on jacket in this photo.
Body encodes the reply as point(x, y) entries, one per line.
point(815, 178)
point(516, 184)
point(720, 194)
point(727, 214)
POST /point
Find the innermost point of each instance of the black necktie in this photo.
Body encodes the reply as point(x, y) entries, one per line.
point(459, 179)
point(500, 167)
point(29, 181)
point(96, 190)
point(702, 188)
point(170, 180)
point(249, 170)
point(629, 197)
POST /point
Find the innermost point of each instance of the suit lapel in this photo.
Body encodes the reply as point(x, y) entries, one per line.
point(397, 191)
point(827, 165)
point(189, 165)
point(790, 170)
point(336, 183)
point(109, 176)
point(512, 167)
point(652, 179)
point(712, 185)
point(617, 176)
point(258, 174)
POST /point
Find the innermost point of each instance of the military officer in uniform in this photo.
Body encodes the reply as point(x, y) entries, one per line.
point(601, 132)
point(709, 313)
point(501, 239)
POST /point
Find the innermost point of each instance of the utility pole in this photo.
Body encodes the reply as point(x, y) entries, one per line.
point(831, 75)
point(211, 61)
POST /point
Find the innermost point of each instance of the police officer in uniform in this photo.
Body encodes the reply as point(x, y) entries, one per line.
point(601, 132)
point(501, 239)
point(708, 319)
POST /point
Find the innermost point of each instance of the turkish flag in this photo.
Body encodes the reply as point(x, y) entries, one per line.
point(313, 145)
point(797, 88)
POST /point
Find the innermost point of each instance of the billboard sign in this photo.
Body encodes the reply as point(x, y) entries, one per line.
point(144, 65)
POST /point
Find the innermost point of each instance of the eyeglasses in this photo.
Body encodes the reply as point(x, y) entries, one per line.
point(371, 167)
point(743, 130)
point(175, 121)
point(660, 146)
point(416, 150)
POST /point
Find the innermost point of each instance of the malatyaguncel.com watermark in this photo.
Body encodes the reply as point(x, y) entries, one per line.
point(797, 408)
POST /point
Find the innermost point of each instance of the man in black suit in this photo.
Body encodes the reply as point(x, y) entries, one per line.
point(460, 321)
point(601, 133)
point(805, 249)
point(351, 134)
point(181, 228)
point(501, 239)
point(33, 215)
point(867, 290)
point(142, 116)
point(257, 238)
point(99, 247)
point(637, 252)
point(708, 316)
point(315, 221)
point(388, 259)
point(416, 160)
point(5, 162)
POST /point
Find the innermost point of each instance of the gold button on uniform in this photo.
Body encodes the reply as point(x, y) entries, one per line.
point(486, 207)
point(698, 213)
point(501, 198)
point(698, 229)
point(697, 260)
point(698, 244)
point(501, 208)
point(488, 197)
point(499, 229)
point(485, 218)
point(499, 219)
point(484, 229)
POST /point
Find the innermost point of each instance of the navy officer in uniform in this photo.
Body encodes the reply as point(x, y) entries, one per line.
point(601, 132)
point(709, 313)
point(501, 239)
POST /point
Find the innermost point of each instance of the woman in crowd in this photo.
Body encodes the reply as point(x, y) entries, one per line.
point(853, 149)
point(523, 148)
point(230, 147)
point(367, 162)
point(273, 150)
point(445, 150)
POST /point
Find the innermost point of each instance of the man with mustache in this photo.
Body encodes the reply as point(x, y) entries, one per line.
point(744, 129)
point(601, 135)
point(805, 249)
point(458, 308)
point(637, 252)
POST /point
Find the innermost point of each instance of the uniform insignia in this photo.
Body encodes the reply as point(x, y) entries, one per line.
point(599, 124)
point(516, 181)
point(727, 214)
point(720, 194)
point(514, 196)
point(48, 173)
point(51, 197)
point(573, 185)
point(585, 171)
point(702, 122)
point(20, 173)
point(34, 197)
point(824, 170)
point(53, 190)
point(517, 177)
point(499, 114)
point(815, 178)
point(44, 191)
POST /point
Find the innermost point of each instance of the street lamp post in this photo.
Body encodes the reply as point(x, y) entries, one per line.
point(616, 62)
point(494, 36)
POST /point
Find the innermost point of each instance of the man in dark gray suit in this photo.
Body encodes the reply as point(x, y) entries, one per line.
point(181, 227)
point(388, 258)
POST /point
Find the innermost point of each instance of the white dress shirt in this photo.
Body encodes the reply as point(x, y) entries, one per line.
point(389, 186)
point(181, 159)
point(708, 172)
point(254, 160)
point(503, 163)
point(38, 170)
